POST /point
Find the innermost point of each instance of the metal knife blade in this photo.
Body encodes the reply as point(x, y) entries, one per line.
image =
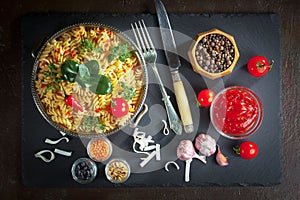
point(167, 36)
point(174, 64)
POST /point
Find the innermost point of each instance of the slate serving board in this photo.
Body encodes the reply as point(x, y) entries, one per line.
point(255, 34)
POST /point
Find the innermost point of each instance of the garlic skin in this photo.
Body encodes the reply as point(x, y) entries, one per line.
point(221, 159)
point(185, 150)
point(205, 144)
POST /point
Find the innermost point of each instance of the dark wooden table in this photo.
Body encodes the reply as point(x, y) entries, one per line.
point(11, 186)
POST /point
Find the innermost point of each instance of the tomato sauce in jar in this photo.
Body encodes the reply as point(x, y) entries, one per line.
point(236, 111)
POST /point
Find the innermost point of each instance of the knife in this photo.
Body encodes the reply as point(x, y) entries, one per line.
point(174, 64)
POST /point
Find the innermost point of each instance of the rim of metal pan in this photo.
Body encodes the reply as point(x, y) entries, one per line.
point(39, 105)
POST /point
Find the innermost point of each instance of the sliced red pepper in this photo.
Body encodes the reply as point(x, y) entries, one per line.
point(43, 64)
point(59, 94)
point(57, 50)
point(105, 52)
point(71, 101)
point(98, 110)
point(100, 30)
point(56, 59)
point(129, 66)
point(44, 86)
point(73, 54)
point(109, 33)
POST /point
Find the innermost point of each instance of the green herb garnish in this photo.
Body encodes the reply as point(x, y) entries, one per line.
point(100, 127)
point(113, 103)
point(122, 52)
point(128, 93)
point(87, 46)
point(111, 57)
point(92, 121)
point(49, 87)
point(53, 77)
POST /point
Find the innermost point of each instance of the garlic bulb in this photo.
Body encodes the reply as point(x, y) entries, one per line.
point(205, 144)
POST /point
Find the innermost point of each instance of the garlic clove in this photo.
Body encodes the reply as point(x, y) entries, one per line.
point(221, 159)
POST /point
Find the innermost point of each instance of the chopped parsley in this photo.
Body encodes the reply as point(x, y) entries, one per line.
point(87, 46)
point(53, 77)
point(121, 51)
point(128, 93)
point(91, 122)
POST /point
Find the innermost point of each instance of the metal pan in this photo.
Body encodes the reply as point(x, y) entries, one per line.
point(76, 133)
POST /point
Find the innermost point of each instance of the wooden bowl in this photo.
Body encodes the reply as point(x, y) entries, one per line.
point(222, 69)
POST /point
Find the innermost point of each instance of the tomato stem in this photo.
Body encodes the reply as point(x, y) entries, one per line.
point(237, 150)
point(271, 65)
point(260, 65)
point(199, 104)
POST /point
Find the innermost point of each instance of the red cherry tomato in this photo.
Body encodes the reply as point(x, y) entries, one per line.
point(118, 107)
point(259, 66)
point(205, 97)
point(247, 150)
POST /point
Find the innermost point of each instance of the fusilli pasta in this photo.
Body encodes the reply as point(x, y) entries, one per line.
point(82, 44)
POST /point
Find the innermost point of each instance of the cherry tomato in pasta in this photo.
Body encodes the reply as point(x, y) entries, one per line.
point(118, 107)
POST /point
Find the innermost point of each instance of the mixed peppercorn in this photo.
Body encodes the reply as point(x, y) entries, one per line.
point(215, 53)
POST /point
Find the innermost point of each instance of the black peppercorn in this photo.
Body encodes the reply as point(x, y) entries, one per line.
point(84, 170)
point(217, 51)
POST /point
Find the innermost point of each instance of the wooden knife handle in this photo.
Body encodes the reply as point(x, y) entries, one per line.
point(183, 103)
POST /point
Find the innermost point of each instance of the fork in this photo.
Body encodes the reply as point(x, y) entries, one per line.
point(147, 48)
